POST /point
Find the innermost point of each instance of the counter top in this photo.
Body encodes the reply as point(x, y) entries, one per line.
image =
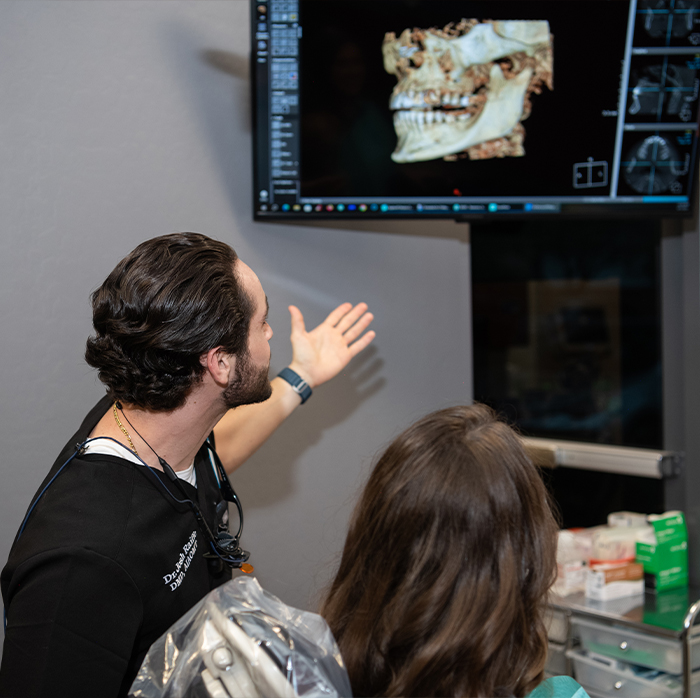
point(666, 614)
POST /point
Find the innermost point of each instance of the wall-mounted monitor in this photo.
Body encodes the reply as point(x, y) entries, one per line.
point(491, 109)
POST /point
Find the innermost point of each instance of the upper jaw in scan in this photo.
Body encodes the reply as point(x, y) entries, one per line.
point(464, 90)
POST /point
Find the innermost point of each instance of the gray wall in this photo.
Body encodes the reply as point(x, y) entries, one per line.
point(124, 120)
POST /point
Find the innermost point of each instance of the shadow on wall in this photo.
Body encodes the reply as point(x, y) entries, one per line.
point(272, 479)
point(220, 107)
point(227, 62)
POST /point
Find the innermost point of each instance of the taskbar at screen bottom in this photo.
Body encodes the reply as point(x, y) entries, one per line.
point(659, 206)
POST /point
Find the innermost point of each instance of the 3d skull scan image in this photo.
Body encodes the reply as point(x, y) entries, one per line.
point(464, 90)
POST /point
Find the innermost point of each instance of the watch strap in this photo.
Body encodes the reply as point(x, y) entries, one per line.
point(299, 385)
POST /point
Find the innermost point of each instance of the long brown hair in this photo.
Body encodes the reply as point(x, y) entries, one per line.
point(451, 550)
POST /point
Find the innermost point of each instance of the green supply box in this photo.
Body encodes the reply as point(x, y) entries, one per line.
point(665, 554)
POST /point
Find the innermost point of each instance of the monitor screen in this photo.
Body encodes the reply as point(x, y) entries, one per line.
point(474, 110)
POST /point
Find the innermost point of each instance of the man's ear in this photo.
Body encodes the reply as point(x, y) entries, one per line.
point(219, 365)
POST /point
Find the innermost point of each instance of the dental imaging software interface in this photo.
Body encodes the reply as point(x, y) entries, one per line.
point(442, 107)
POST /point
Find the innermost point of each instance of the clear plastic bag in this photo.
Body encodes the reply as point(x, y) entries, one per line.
point(241, 642)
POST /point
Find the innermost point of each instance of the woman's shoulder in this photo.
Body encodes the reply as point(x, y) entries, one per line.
point(559, 687)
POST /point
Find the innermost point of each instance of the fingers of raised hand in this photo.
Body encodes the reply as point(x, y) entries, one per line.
point(361, 343)
point(337, 314)
point(297, 319)
point(351, 317)
point(353, 332)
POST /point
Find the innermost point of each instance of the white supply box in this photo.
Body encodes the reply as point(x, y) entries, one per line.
point(614, 580)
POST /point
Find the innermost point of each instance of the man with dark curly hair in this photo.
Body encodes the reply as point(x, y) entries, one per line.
point(128, 530)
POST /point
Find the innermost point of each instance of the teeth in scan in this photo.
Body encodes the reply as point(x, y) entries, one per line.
point(417, 118)
point(408, 100)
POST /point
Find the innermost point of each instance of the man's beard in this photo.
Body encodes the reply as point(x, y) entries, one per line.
point(250, 384)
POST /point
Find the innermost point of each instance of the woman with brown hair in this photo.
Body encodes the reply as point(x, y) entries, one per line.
point(442, 584)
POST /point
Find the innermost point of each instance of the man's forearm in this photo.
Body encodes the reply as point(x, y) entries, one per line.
point(318, 356)
point(241, 431)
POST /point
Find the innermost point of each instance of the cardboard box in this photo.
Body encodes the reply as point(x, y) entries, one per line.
point(626, 519)
point(617, 543)
point(665, 557)
point(614, 580)
point(573, 553)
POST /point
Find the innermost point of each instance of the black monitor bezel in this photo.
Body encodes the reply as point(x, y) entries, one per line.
point(591, 211)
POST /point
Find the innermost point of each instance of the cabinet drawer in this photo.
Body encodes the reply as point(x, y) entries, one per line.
point(557, 664)
point(634, 647)
point(612, 678)
point(557, 625)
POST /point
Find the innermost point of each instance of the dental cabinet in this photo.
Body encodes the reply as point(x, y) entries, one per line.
point(644, 646)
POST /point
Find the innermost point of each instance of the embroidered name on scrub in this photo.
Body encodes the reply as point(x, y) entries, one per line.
point(175, 578)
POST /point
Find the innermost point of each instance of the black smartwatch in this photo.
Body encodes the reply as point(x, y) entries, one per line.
point(299, 385)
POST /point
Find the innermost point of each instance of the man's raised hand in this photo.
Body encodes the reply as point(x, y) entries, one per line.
point(323, 352)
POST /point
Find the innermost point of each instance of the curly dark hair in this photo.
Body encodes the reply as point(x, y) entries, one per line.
point(165, 304)
point(442, 584)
